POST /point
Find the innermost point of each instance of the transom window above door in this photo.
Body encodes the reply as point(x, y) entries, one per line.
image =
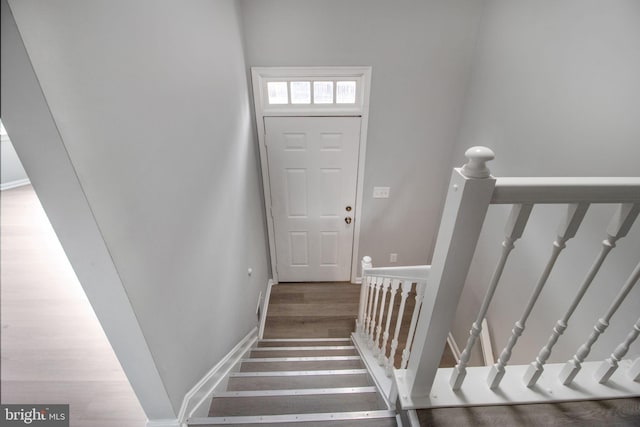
point(311, 90)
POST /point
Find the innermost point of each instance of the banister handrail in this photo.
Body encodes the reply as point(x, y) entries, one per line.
point(511, 190)
point(415, 272)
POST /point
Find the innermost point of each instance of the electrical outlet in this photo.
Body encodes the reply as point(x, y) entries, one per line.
point(393, 258)
point(381, 192)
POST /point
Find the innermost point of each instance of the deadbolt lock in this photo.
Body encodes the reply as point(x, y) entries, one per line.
point(348, 208)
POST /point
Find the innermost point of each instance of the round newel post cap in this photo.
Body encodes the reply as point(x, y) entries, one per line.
point(478, 157)
point(366, 262)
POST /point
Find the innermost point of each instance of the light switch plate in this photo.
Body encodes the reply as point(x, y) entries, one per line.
point(381, 192)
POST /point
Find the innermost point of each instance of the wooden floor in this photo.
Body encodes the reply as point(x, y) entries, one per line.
point(323, 310)
point(312, 310)
point(615, 412)
point(52, 346)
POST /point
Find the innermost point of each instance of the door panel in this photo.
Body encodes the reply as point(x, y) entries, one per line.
point(313, 164)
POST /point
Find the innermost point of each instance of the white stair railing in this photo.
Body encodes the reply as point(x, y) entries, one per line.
point(515, 227)
point(567, 230)
point(406, 288)
point(419, 382)
point(609, 366)
point(381, 288)
point(618, 228)
point(377, 283)
point(573, 366)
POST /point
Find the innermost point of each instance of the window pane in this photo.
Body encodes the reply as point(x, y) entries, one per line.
point(323, 92)
point(301, 92)
point(277, 92)
point(345, 92)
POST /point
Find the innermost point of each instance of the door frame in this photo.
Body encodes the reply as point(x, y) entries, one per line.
point(362, 75)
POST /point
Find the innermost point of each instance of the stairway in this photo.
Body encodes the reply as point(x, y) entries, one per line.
point(300, 382)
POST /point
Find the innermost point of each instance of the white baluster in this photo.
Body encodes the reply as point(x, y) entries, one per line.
point(609, 366)
point(406, 288)
point(370, 285)
point(385, 287)
point(364, 298)
point(406, 352)
point(618, 228)
point(573, 366)
point(365, 263)
point(568, 229)
point(514, 229)
point(395, 284)
point(372, 330)
point(634, 372)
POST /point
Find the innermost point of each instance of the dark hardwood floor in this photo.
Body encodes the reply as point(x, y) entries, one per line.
point(312, 310)
point(614, 412)
point(326, 310)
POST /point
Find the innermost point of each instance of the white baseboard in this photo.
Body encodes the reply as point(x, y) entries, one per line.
point(13, 184)
point(205, 387)
point(265, 306)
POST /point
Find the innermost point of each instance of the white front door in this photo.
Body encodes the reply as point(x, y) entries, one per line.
point(313, 166)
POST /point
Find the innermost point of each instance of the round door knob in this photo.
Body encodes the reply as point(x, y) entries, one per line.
point(348, 220)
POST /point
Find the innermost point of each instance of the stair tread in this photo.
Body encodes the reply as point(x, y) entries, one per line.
point(301, 404)
point(302, 352)
point(297, 391)
point(338, 346)
point(301, 342)
point(300, 358)
point(377, 422)
point(378, 418)
point(296, 382)
point(298, 373)
point(300, 365)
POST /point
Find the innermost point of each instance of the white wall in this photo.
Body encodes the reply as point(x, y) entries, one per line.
point(420, 53)
point(11, 171)
point(151, 102)
point(555, 92)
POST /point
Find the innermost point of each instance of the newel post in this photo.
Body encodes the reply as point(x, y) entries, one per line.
point(366, 263)
point(468, 198)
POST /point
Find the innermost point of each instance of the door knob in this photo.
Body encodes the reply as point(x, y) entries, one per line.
point(348, 220)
